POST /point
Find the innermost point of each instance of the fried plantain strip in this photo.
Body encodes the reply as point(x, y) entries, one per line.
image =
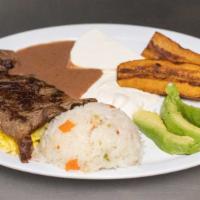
point(162, 47)
point(154, 75)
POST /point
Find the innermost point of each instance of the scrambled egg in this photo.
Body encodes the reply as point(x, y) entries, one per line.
point(8, 144)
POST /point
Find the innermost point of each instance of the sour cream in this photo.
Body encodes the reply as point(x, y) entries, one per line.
point(95, 49)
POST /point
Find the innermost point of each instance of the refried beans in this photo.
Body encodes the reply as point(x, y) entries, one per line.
point(50, 62)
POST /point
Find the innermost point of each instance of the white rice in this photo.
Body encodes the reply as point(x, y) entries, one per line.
point(103, 137)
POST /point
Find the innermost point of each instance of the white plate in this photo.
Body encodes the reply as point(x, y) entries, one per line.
point(136, 37)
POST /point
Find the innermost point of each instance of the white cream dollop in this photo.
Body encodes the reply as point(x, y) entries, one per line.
point(95, 49)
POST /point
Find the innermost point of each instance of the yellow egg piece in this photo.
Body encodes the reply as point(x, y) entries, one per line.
point(8, 144)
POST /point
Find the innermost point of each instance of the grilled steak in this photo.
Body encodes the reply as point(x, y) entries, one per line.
point(27, 103)
point(7, 60)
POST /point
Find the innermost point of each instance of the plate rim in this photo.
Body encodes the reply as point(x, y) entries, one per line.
point(164, 171)
point(96, 24)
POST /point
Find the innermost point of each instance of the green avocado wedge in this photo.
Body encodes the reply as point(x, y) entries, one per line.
point(191, 113)
point(153, 127)
point(174, 120)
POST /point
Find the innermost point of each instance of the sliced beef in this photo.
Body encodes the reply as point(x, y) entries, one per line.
point(27, 103)
point(7, 60)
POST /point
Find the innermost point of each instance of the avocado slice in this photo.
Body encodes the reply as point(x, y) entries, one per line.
point(189, 112)
point(153, 127)
point(175, 122)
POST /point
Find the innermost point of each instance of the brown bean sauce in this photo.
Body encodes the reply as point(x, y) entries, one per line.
point(50, 62)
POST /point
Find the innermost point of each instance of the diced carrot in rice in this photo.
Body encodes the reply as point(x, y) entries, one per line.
point(72, 165)
point(67, 126)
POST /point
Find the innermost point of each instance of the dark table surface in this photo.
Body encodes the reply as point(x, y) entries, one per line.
point(178, 15)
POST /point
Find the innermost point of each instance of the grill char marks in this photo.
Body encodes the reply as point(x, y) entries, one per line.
point(7, 60)
point(26, 104)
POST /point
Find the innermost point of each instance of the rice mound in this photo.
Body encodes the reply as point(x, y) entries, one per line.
point(102, 137)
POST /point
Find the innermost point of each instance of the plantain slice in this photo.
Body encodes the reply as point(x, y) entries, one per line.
point(162, 47)
point(154, 75)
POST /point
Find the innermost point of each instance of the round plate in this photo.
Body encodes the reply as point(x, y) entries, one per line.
point(106, 90)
